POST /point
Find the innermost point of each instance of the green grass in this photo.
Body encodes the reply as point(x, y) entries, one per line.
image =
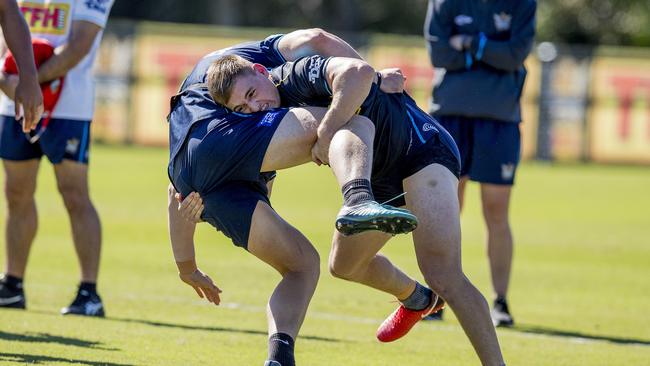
point(580, 289)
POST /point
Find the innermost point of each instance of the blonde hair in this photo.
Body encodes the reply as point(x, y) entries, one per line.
point(222, 74)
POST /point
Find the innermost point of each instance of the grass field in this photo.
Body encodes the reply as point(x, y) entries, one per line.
point(580, 290)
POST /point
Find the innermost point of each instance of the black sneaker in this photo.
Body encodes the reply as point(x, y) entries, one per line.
point(86, 303)
point(272, 363)
point(500, 314)
point(437, 316)
point(11, 296)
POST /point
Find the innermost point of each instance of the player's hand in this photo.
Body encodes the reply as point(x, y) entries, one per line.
point(28, 96)
point(392, 80)
point(320, 152)
point(191, 207)
point(460, 42)
point(203, 285)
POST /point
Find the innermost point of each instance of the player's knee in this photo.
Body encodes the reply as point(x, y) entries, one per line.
point(308, 261)
point(342, 269)
point(362, 125)
point(19, 195)
point(75, 198)
point(317, 37)
point(445, 282)
point(495, 212)
point(495, 202)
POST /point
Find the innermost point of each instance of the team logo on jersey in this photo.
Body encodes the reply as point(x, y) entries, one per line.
point(502, 21)
point(99, 5)
point(268, 119)
point(314, 70)
point(46, 18)
point(428, 127)
point(72, 146)
point(462, 20)
point(507, 171)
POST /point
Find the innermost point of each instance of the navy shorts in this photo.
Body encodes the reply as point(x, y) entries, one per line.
point(489, 149)
point(63, 139)
point(221, 160)
point(439, 149)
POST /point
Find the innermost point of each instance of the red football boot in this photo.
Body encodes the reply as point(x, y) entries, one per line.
point(402, 320)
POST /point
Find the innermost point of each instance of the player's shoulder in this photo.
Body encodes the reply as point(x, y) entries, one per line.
point(100, 6)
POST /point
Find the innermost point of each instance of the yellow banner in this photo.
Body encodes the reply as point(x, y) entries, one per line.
point(50, 18)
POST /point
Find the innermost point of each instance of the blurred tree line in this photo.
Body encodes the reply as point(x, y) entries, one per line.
point(612, 22)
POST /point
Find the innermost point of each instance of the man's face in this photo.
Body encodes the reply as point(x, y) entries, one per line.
point(254, 93)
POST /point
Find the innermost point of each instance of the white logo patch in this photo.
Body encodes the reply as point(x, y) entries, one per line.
point(462, 20)
point(71, 146)
point(502, 21)
point(507, 171)
point(314, 70)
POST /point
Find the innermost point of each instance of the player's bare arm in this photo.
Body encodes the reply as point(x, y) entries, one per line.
point(24, 88)
point(350, 81)
point(67, 56)
point(314, 41)
point(181, 235)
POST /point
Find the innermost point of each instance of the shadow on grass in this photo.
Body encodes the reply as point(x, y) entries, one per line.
point(215, 329)
point(534, 329)
point(49, 338)
point(201, 328)
point(47, 360)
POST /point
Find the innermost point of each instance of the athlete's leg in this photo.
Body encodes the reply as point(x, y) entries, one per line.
point(433, 193)
point(496, 201)
point(277, 243)
point(350, 150)
point(22, 221)
point(350, 157)
point(72, 182)
point(355, 258)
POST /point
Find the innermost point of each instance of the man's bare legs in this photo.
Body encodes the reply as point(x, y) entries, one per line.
point(21, 223)
point(433, 198)
point(284, 248)
point(72, 182)
point(355, 258)
point(496, 201)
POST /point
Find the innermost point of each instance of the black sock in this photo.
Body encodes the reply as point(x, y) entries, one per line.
point(88, 286)
point(281, 349)
point(419, 299)
point(13, 282)
point(357, 191)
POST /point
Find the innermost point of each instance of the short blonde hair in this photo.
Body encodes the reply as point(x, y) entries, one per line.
point(222, 74)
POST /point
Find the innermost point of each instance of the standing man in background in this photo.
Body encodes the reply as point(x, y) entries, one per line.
point(478, 48)
point(74, 28)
